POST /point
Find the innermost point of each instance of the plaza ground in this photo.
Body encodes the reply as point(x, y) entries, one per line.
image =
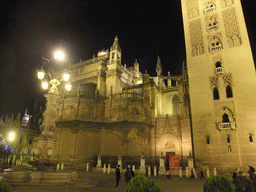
point(100, 182)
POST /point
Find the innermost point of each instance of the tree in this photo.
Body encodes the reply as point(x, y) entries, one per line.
point(5, 151)
point(218, 183)
point(142, 183)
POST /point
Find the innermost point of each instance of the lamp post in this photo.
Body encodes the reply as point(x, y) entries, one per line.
point(53, 75)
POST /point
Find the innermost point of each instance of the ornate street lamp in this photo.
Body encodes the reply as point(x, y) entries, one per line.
point(51, 77)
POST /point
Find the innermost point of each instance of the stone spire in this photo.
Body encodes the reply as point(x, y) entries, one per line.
point(116, 45)
point(158, 67)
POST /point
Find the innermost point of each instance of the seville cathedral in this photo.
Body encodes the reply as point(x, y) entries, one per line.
point(207, 114)
point(116, 110)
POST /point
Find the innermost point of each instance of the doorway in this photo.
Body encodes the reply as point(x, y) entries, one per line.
point(167, 159)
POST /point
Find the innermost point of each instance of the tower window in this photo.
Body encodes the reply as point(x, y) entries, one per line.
point(250, 137)
point(229, 91)
point(218, 64)
point(208, 139)
point(225, 118)
point(228, 138)
point(215, 44)
point(218, 68)
point(216, 94)
point(113, 55)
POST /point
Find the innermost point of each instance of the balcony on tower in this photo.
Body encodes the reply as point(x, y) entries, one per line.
point(226, 125)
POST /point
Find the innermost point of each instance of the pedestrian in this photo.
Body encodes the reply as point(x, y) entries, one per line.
point(192, 174)
point(234, 175)
point(202, 175)
point(168, 174)
point(127, 176)
point(118, 175)
point(132, 172)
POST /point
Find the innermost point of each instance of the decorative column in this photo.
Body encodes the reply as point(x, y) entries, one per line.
point(180, 173)
point(142, 165)
point(190, 162)
point(108, 168)
point(46, 151)
point(207, 172)
point(99, 162)
point(87, 167)
point(149, 170)
point(119, 162)
point(214, 171)
point(104, 168)
point(187, 174)
point(161, 168)
point(155, 174)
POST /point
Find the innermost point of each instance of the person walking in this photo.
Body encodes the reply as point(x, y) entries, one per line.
point(118, 175)
point(202, 175)
point(132, 172)
point(127, 176)
point(192, 174)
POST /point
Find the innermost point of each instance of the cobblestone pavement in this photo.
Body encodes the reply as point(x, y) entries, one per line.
point(99, 182)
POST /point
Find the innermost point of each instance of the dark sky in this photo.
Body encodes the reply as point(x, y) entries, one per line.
point(29, 31)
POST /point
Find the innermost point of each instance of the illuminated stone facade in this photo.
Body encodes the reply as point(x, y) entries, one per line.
point(116, 110)
point(222, 84)
point(23, 142)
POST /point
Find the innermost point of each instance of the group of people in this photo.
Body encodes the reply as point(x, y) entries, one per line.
point(128, 175)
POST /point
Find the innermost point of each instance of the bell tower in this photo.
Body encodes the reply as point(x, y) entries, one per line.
point(113, 79)
point(222, 83)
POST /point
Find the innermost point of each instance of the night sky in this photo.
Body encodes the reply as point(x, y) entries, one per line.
point(29, 31)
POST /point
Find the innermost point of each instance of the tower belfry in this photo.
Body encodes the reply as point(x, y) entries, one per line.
point(113, 78)
point(222, 83)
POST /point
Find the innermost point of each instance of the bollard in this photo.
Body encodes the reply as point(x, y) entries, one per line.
point(87, 167)
point(104, 168)
point(62, 166)
point(108, 168)
point(133, 168)
point(58, 166)
point(149, 171)
point(214, 171)
point(207, 172)
point(155, 173)
point(187, 174)
point(180, 173)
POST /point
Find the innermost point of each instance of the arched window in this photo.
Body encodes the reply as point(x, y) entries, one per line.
point(218, 68)
point(237, 40)
point(230, 42)
point(194, 51)
point(208, 139)
point(228, 138)
point(218, 64)
point(175, 102)
point(209, 7)
point(229, 91)
point(225, 118)
point(201, 49)
point(216, 94)
point(250, 137)
point(215, 44)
